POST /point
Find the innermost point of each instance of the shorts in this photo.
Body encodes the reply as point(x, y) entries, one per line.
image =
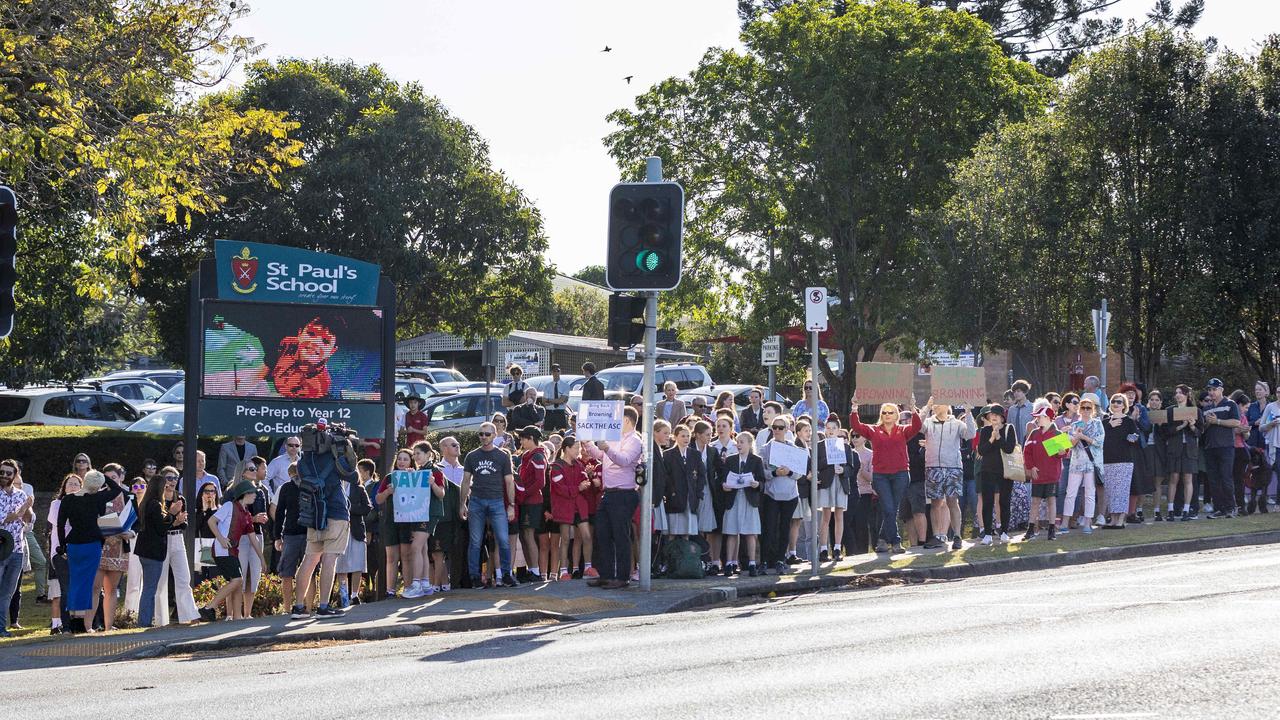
point(942, 483)
point(228, 566)
point(55, 589)
point(404, 531)
point(916, 497)
point(1042, 490)
point(531, 517)
point(551, 527)
point(291, 552)
point(330, 541)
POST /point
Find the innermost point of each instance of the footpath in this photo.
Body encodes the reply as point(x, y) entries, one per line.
point(466, 610)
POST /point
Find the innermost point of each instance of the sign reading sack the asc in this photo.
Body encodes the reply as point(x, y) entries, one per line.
point(600, 420)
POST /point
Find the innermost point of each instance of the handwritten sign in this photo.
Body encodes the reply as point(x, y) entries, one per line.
point(956, 386)
point(1161, 417)
point(412, 495)
point(835, 451)
point(600, 420)
point(780, 454)
point(885, 382)
point(1057, 444)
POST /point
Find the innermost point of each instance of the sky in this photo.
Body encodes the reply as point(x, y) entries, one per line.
point(530, 77)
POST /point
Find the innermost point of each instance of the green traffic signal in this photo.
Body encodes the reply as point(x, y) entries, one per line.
point(648, 261)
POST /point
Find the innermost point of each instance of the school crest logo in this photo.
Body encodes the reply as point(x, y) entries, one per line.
point(244, 271)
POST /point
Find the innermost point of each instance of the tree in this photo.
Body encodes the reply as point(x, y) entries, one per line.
point(593, 274)
point(577, 311)
point(818, 157)
point(101, 140)
point(390, 177)
point(1052, 33)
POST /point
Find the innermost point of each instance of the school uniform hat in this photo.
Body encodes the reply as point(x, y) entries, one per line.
point(240, 489)
point(530, 431)
point(413, 396)
point(1214, 383)
point(996, 408)
point(1043, 411)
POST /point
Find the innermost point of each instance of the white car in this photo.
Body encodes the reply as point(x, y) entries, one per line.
point(137, 390)
point(161, 422)
point(63, 406)
point(623, 381)
point(174, 396)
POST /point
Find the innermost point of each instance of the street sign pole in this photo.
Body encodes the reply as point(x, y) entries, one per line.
point(815, 311)
point(653, 174)
point(770, 356)
point(773, 382)
point(1101, 326)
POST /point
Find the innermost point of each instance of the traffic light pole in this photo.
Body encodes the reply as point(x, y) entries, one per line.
point(653, 173)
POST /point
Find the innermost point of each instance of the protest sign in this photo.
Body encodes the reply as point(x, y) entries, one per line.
point(835, 451)
point(884, 382)
point(600, 420)
point(780, 454)
point(1057, 444)
point(738, 480)
point(412, 495)
point(1161, 417)
point(964, 386)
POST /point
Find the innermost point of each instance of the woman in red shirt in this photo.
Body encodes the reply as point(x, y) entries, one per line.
point(1044, 470)
point(890, 469)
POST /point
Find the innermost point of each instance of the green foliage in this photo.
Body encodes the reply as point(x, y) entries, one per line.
point(593, 274)
point(391, 176)
point(46, 451)
point(577, 311)
point(816, 157)
point(267, 601)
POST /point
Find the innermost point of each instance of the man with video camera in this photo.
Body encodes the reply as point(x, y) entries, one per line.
point(328, 454)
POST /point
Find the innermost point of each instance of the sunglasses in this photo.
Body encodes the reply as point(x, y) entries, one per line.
point(485, 434)
point(7, 473)
point(1117, 402)
point(888, 412)
point(82, 462)
point(779, 427)
point(294, 445)
point(808, 388)
point(210, 491)
point(139, 488)
point(169, 478)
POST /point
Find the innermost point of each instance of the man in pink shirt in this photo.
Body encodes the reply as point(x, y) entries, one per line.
point(612, 548)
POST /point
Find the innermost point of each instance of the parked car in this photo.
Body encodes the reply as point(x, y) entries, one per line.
point(461, 409)
point(65, 406)
point(568, 383)
point(740, 393)
point(623, 381)
point(461, 385)
point(137, 390)
point(164, 378)
point(161, 422)
point(176, 395)
point(433, 375)
point(407, 386)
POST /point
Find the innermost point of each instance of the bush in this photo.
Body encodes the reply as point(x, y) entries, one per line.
point(267, 601)
point(45, 451)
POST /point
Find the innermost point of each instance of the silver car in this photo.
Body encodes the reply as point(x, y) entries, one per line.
point(462, 409)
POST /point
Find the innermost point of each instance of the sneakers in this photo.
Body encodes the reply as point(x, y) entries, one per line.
point(578, 574)
point(298, 613)
point(824, 556)
point(1132, 519)
point(1062, 531)
point(1004, 537)
point(476, 582)
point(898, 549)
point(1100, 520)
point(731, 569)
point(1157, 518)
point(956, 544)
point(711, 570)
point(986, 539)
point(1087, 529)
point(752, 570)
point(837, 555)
point(1053, 531)
point(324, 611)
point(934, 543)
point(882, 547)
point(1030, 534)
point(781, 568)
point(509, 580)
point(413, 591)
point(208, 614)
point(565, 576)
point(793, 560)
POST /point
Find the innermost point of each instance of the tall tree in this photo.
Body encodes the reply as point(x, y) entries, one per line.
point(390, 177)
point(816, 157)
point(1052, 33)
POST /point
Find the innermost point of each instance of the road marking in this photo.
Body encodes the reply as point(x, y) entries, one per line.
point(1102, 716)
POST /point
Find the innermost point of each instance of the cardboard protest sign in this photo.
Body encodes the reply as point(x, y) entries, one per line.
point(1160, 417)
point(412, 495)
point(885, 382)
point(600, 420)
point(958, 386)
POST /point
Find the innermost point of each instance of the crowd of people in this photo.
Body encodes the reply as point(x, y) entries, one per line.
point(533, 503)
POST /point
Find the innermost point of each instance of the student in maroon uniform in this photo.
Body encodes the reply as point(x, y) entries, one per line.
point(568, 482)
point(533, 475)
point(1043, 470)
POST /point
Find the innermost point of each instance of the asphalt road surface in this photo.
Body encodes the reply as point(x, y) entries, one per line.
point(1192, 636)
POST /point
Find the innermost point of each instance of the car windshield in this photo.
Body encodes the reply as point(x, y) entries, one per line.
point(175, 394)
point(165, 422)
point(629, 381)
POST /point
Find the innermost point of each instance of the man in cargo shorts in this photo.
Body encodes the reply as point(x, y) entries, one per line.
point(324, 547)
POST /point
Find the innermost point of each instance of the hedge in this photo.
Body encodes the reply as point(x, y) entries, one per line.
point(45, 451)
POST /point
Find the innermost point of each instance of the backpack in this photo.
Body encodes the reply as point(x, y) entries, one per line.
point(683, 559)
point(327, 457)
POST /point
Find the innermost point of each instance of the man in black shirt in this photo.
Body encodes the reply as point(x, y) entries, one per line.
point(290, 538)
point(752, 418)
point(592, 389)
point(527, 413)
point(487, 483)
point(1221, 418)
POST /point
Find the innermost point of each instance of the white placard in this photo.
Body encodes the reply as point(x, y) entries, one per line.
point(835, 451)
point(412, 495)
point(788, 456)
point(600, 420)
point(771, 350)
point(738, 481)
point(815, 309)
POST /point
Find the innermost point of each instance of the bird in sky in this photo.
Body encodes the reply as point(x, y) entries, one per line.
point(628, 78)
point(607, 49)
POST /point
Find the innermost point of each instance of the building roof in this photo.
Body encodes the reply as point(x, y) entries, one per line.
point(554, 341)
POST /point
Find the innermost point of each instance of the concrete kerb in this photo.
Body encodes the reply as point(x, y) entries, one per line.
point(826, 581)
point(466, 623)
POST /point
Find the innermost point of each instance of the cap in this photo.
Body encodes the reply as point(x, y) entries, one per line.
point(1214, 383)
point(1044, 411)
point(321, 423)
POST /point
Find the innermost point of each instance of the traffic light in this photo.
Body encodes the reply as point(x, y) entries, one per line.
point(624, 310)
point(646, 221)
point(8, 251)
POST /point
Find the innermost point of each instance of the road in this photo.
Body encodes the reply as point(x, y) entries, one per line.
point(1191, 636)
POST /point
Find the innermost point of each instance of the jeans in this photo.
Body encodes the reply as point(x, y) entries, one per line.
point(775, 528)
point(611, 551)
point(891, 488)
point(39, 565)
point(10, 572)
point(991, 484)
point(862, 524)
point(1221, 466)
point(150, 582)
point(494, 512)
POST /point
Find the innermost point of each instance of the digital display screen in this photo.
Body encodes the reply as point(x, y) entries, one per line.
point(292, 352)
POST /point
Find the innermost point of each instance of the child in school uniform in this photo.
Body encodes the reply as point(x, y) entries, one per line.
point(742, 517)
